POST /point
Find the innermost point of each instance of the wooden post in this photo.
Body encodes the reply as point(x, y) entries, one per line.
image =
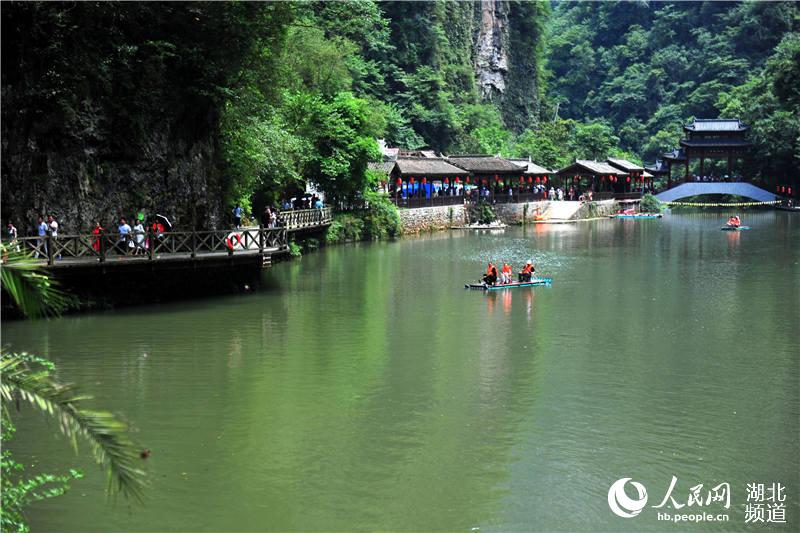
point(50, 252)
point(261, 238)
point(194, 244)
point(152, 239)
point(102, 241)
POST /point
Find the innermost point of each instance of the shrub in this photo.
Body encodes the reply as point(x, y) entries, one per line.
point(381, 218)
point(650, 204)
point(345, 227)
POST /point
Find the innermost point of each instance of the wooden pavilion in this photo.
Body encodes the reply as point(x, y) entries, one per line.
point(490, 171)
point(423, 176)
point(599, 175)
point(634, 174)
point(714, 138)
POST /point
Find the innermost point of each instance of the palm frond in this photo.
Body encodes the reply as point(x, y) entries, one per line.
point(107, 436)
point(25, 281)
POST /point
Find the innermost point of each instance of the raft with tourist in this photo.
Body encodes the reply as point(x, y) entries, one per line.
point(734, 224)
point(496, 280)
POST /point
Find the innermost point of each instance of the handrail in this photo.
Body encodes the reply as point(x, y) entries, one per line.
point(152, 246)
point(297, 219)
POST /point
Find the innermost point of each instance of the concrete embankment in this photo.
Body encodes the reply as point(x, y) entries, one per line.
point(443, 217)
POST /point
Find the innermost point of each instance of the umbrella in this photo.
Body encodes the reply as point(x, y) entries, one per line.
point(165, 220)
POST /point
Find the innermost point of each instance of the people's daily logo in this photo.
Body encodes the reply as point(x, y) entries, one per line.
point(623, 505)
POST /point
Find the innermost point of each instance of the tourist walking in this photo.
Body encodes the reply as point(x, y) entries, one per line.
point(237, 216)
point(41, 243)
point(98, 230)
point(124, 241)
point(138, 232)
point(52, 228)
point(11, 231)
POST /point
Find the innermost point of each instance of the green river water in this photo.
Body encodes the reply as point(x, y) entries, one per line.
point(362, 388)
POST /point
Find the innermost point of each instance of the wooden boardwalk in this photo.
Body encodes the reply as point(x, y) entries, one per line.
point(173, 248)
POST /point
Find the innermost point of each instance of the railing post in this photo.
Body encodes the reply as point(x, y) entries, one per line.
point(50, 253)
point(102, 241)
point(152, 239)
point(194, 244)
point(261, 238)
point(229, 246)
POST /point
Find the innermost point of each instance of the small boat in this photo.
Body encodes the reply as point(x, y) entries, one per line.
point(534, 282)
point(734, 228)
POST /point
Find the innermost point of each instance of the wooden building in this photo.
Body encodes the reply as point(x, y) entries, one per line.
point(634, 175)
point(714, 138)
point(592, 175)
point(424, 176)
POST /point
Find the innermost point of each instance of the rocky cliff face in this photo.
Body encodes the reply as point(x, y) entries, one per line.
point(506, 58)
point(491, 49)
point(80, 179)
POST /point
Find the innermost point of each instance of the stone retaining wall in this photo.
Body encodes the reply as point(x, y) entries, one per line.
point(515, 213)
point(432, 218)
point(438, 218)
point(601, 209)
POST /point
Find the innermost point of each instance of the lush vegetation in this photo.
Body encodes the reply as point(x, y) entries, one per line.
point(650, 204)
point(645, 68)
point(297, 92)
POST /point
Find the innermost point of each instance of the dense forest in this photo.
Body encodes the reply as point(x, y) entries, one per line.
point(191, 107)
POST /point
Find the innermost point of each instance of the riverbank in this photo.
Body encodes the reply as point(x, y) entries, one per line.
point(439, 218)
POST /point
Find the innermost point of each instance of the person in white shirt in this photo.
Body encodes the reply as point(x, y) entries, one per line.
point(52, 227)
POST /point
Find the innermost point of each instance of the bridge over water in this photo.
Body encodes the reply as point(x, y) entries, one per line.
point(746, 190)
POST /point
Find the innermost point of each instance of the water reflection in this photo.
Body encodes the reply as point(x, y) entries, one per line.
point(363, 382)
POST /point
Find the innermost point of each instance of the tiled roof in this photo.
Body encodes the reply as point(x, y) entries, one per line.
point(624, 165)
point(722, 143)
point(716, 124)
point(485, 163)
point(531, 168)
point(424, 166)
point(382, 166)
point(593, 167)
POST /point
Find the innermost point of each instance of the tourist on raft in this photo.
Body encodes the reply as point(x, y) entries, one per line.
point(734, 221)
point(505, 274)
point(491, 275)
point(527, 272)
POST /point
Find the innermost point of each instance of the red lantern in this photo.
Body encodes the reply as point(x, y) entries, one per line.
point(411, 180)
point(538, 179)
point(447, 181)
point(544, 179)
point(789, 191)
point(496, 177)
point(522, 179)
point(530, 179)
point(468, 179)
point(424, 181)
point(484, 181)
point(575, 179)
point(399, 181)
point(457, 179)
point(602, 178)
point(629, 179)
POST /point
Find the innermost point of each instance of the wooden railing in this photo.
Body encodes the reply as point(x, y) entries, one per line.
point(151, 246)
point(305, 218)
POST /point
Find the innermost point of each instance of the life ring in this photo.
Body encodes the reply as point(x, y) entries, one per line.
point(233, 240)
